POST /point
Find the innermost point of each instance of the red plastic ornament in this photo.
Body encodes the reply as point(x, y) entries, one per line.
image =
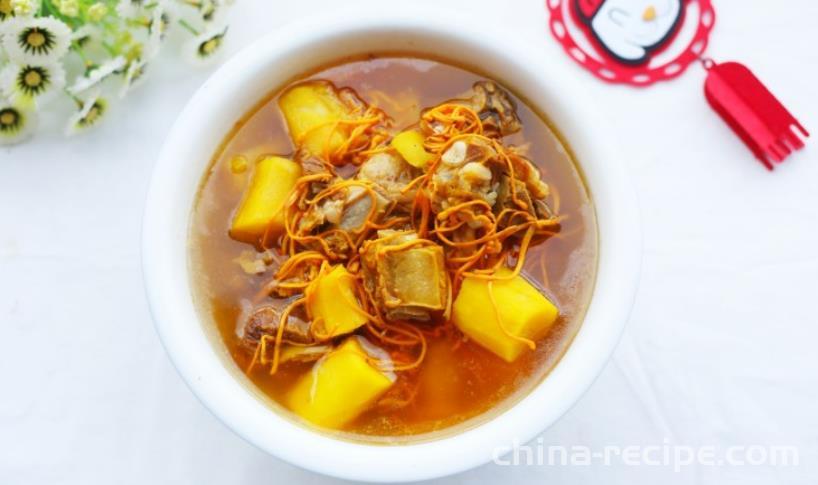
point(751, 110)
point(640, 42)
point(597, 34)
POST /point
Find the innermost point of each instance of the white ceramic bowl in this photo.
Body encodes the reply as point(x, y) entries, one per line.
point(278, 58)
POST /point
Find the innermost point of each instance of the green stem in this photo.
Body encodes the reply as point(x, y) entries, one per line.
point(52, 11)
point(188, 27)
point(113, 51)
point(108, 26)
point(47, 8)
point(141, 23)
point(72, 96)
point(81, 52)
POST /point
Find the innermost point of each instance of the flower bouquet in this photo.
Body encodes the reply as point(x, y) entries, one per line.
point(90, 51)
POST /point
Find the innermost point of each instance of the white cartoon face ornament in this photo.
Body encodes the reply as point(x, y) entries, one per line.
point(630, 29)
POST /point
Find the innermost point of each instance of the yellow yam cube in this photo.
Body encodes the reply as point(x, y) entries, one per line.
point(523, 310)
point(239, 165)
point(333, 306)
point(410, 146)
point(261, 210)
point(311, 110)
point(338, 388)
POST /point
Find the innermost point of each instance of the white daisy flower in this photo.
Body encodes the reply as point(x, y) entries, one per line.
point(97, 12)
point(131, 9)
point(160, 20)
point(157, 30)
point(134, 76)
point(6, 10)
point(151, 47)
point(16, 124)
point(205, 47)
point(212, 11)
point(89, 113)
point(85, 34)
point(69, 8)
point(97, 74)
point(36, 40)
point(23, 84)
point(209, 11)
point(24, 8)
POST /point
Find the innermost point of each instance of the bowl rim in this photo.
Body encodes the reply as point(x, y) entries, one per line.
point(192, 353)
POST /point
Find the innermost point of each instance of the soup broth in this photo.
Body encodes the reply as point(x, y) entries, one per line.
point(458, 379)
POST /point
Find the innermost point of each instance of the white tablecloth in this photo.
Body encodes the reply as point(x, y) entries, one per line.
point(721, 349)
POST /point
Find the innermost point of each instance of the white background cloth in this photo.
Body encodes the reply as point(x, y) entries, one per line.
point(721, 349)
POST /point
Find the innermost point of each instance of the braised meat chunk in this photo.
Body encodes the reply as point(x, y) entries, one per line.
point(406, 275)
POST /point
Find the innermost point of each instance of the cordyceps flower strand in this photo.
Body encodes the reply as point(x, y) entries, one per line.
point(90, 51)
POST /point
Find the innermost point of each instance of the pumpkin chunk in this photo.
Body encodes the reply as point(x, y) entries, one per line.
point(340, 386)
point(523, 310)
point(261, 209)
point(333, 306)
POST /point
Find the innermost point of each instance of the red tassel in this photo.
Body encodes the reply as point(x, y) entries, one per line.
point(752, 111)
